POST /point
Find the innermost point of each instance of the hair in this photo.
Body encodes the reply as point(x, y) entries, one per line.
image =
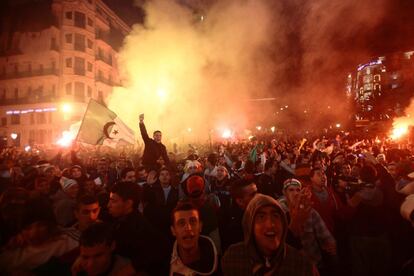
point(183, 205)
point(125, 171)
point(212, 158)
point(97, 233)
point(87, 199)
point(313, 171)
point(157, 131)
point(368, 174)
point(140, 168)
point(236, 189)
point(127, 191)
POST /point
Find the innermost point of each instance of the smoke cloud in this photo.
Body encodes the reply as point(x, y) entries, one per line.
point(194, 71)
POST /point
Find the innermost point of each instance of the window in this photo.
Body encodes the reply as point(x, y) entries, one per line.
point(79, 91)
point(15, 119)
point(32, 119)
point(89, 67)
point(377, 87)
point(80, 20)
point(90, 22)
point(90, 44)
point(29, 91)
point(79, 42)
point(69, 62)
point(41, 117)
point(68, 38)
point(68, 88)
point(41, 68)
point(50, 117)
point(4, 121)
point(32, 134)
point(68, 15)
point(79, 66)
point(377, 78)
point(89, 91)
point(29, 68)
point(53, 91)
point(53, 44)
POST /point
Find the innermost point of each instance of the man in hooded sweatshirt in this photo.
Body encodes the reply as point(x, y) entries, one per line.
point(264, 251)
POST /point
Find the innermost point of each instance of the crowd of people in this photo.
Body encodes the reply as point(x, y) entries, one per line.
point(268, 205)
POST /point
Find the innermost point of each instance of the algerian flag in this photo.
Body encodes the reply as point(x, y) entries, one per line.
point(101, 126)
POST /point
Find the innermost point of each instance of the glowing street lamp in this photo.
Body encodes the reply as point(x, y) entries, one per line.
point(226, 134)
point(13, 136)
point(338, 125)
point(259, 128)
point(273, 128)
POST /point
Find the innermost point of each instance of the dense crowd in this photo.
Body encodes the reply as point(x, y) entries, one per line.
point(268, 205)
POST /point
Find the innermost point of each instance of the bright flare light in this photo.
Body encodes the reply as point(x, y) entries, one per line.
point(27, 148)
point(259, 127)
point(13, 136)
point(66, 108)
point(68, 136)
point(399, 131)
point(162, 94)
point(66, 139)
point(226, 134)
point(338, 125)
point(273, 129)
point(189, 129)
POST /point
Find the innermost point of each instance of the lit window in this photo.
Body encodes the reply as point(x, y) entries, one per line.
point(377, 78)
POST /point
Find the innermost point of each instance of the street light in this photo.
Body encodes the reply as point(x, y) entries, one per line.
point(273, 129)
point(66, 108)
point(13, 136)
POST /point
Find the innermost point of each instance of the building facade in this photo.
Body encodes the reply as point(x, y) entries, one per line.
point(383, 87)
point(52, 61)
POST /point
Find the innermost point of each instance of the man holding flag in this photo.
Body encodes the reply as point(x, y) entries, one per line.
point(155, 153)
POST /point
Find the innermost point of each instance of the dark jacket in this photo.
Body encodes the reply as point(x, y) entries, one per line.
point(152, 151)
point(144, 245)
point(158, 210)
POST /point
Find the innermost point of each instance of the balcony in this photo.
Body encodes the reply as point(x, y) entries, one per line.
point(28, 74)
point(104, 59)
point(29, 100)
point(104, 80)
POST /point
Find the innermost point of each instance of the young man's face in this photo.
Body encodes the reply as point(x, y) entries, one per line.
point(346, 170)
point(268, 230)
point(96, 259)
point(248, 193)
point(118, 207)
point(130, 177)
point(86, 214)
point(221, 173)
point(142, 175)
point(157, 137)
point(319, 178)
point(164, 177)
point(76, 173)
point(292, 193)
point(186, 228)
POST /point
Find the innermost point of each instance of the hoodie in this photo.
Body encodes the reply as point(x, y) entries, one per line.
point(207, 265)
point(244, 258)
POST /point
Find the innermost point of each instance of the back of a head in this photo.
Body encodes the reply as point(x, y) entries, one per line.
point(236, 189)
point(97, 233)
point(127, 191)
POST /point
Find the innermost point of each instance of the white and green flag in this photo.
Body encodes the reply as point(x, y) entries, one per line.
point(101, 126)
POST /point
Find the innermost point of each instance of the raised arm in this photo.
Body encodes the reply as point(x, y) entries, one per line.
point(142, 129)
